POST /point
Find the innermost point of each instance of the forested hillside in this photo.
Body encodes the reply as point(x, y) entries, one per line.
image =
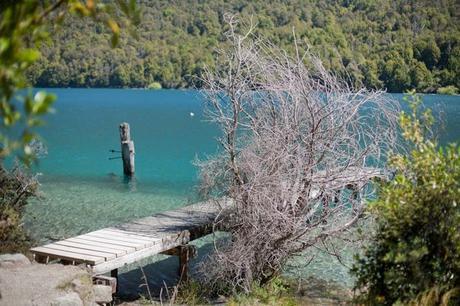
point(393, 44)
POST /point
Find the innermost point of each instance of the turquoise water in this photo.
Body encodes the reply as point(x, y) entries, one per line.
point(83, 190)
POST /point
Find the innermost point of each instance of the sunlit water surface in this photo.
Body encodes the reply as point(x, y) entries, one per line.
point(84, 190)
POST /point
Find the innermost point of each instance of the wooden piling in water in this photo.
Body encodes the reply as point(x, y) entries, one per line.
point(127, 149)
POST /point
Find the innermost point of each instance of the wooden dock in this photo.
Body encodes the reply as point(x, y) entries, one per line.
point(111, 248)
point(168, 232)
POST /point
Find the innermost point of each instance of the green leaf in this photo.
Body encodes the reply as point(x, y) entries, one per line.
point(27, 137)
point(28, 105)
point(29, 55)
point(35, 122)
point(11, 118)
point(42, 102)
point(4, 44)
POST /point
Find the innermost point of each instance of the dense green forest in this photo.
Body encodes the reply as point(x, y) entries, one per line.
point(392, 44)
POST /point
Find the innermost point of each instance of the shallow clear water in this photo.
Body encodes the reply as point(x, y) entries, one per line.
point(83, 190)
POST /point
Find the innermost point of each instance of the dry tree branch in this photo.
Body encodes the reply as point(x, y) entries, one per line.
point(299, 149)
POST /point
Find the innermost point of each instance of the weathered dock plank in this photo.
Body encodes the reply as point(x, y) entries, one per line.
point(104, 254)
point(111, 248)
point(117, 253)
point(108, 246)
point(79, 258)
point(193, 218)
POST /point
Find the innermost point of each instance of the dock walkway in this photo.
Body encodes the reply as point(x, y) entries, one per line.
point(167, 232)
point(111, 248)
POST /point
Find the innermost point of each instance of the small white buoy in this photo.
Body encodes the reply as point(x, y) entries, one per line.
point(192, 114)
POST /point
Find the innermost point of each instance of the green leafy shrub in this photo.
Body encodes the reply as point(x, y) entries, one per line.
point(16, 187)
point(191, 293)
point(415, 255)
point(276, 292)
point(448, 90)
point(25, 29)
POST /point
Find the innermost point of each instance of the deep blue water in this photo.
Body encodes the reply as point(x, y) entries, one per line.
point(83, 190)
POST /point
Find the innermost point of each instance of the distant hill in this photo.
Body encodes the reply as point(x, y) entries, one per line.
point(396, 45)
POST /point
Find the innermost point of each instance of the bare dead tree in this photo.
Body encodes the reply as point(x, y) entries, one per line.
point(297, 146)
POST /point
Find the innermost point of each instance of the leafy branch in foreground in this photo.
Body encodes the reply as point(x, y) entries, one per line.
point(297, 143)
point(414, 257)
point(23, 30)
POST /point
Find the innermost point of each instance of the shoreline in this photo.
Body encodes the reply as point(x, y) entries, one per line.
point(199, 89)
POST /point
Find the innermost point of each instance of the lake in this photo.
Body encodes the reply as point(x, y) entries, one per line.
point(84, 190)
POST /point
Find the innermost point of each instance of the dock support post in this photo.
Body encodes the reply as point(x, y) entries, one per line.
point(184, 257)
point(106, 281)
point(114, 274)
point(127, 149)
point(184, 252)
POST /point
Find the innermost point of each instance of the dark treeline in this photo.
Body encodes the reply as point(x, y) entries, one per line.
point(393, 44)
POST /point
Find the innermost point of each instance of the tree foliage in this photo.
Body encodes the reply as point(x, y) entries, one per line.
point(392, 44)
point(23, 32)
point(415, 254)
point(16, 186)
